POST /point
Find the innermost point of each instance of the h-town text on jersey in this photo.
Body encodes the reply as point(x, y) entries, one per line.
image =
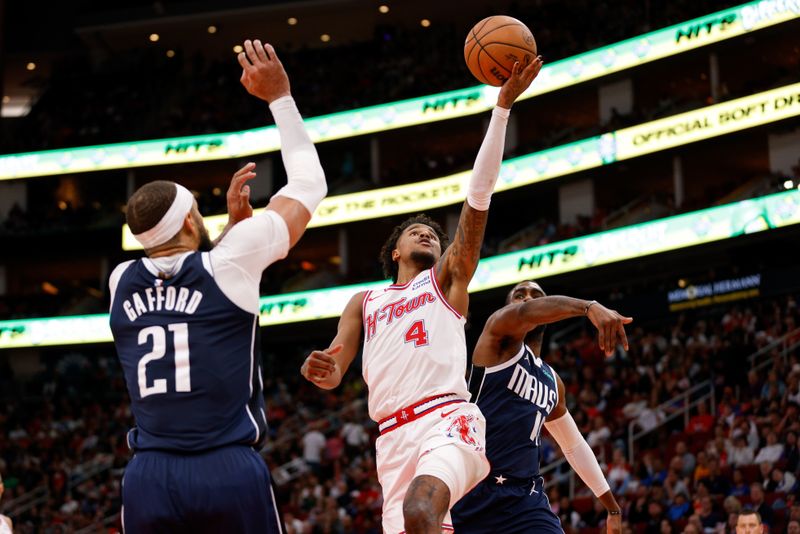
point(395, 310)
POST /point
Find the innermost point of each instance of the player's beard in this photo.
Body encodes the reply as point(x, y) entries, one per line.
point(423, 259)
point(205, 241)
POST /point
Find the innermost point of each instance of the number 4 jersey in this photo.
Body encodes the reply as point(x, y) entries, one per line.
point(191, 357)
point(414, 345)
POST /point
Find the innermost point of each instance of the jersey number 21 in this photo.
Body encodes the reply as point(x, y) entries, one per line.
point(180, 333)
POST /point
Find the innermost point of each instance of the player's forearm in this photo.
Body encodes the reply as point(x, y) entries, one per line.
point(578, 453)
point(551, 309)
point(305, 177)
point(487, 163)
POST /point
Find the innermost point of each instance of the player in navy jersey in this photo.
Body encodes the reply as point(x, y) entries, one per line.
point(185, 325)
point(518, 394)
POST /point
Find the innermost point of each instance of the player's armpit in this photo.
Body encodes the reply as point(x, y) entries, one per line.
point(458, 263)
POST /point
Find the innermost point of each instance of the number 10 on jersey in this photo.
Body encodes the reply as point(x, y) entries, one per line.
point(183, 380)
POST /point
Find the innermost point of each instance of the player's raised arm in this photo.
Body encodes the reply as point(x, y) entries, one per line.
point(263, 76)
point(325, 368)
point(457, 265)
point(576, 450)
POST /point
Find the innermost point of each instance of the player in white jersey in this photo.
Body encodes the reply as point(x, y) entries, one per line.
point(6, 526)
point(431, 449)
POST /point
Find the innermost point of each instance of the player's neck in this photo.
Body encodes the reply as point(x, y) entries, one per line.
point(406, 274)
point(170, 251)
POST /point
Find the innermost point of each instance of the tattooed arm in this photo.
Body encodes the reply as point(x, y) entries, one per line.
point(458, 263)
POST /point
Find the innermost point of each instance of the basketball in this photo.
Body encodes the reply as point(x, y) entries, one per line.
point(494, 44)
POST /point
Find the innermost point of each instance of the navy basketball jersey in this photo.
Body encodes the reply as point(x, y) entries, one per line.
point(515, 397)
point(191, 359)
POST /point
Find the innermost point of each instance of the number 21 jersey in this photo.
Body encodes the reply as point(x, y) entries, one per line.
point(191, 359)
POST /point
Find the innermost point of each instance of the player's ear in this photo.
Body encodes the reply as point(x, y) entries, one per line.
point(395, 255)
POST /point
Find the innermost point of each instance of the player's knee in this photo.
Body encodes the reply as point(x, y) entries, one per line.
point(425, 505)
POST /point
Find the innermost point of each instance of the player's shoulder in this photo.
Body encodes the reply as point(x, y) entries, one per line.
point(117, 273)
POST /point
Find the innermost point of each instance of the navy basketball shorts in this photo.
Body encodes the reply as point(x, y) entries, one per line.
point(223, 490)
point(510, 508)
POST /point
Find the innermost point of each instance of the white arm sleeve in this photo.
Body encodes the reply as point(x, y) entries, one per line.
point(306, 179)
point(578, 453)
point(242, 255)
point(487, 164)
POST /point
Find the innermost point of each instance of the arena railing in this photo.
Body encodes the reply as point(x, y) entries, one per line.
point(627, 54)
point(705, 226)
point(685, 401)
point(784, 345)
point(654, 136)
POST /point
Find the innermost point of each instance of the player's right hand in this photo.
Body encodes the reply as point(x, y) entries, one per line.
point(320, 364)
point(238, 196)
point(520, 79)
point(610, 327)
point(262, 72)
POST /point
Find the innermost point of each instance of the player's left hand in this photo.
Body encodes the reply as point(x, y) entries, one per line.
point(610, 327)
point(520, 79)
point(614, 524)
point(238, 195)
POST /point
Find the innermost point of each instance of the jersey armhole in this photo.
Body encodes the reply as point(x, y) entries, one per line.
point(364, 307)
point(113, 280)
point(439, 292)
point(475, 383)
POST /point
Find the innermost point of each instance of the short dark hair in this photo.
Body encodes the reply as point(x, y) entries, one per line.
point(149, 204)
point(751, 511)
point(390, 267)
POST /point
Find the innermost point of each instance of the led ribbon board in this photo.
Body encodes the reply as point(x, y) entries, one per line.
point(711, 121)
point(624, 55)
point(672, 233)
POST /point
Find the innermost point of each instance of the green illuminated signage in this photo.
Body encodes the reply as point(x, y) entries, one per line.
point(711, 121)
point(624, 55)
point(631, 242)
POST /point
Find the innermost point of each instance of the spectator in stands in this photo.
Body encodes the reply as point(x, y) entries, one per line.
point(793, 527)
point(781, 482)
point(739, 488)
point(791, 452)
point(773, 386)
point(600, 432)
point(679, 508)
point(702, 470)
point(619, 472)
point(703, 422)
point(772, 451)
point(709, 517)
point(718, 485)
point(739, 453)
point(313, 445)
point(759, 504)
point(750, 522)
point(688, 460)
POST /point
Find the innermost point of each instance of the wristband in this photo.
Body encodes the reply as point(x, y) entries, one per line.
point(589, 305)
point(614, 512)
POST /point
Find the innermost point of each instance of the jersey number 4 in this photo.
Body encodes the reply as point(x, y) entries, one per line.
point(180, 334)
point(417, 334)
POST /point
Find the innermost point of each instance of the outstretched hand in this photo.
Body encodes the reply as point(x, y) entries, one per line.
point(520, 79)
point(610, 327)
point(238, 195)
point(263, 74)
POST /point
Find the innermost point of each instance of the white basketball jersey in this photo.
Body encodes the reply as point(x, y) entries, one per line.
point(414, 346)
point(4, 528)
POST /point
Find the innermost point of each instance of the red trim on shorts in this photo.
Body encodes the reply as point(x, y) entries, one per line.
point(411, 416)
point(445, 526)
point(441, 295)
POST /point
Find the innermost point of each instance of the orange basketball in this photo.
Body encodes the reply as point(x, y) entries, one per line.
point(494, 44)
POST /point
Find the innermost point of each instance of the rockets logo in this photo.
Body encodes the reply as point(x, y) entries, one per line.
point(463, 428)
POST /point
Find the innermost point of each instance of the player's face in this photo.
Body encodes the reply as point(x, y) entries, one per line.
point(420, 244)
point(525, 291)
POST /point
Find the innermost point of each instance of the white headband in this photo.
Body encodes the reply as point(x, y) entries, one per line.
point(171, 222)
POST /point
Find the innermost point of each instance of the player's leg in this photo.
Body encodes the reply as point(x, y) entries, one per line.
point(452, 463)
point(147, 506)
point(425, 505)
point(232, 492)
